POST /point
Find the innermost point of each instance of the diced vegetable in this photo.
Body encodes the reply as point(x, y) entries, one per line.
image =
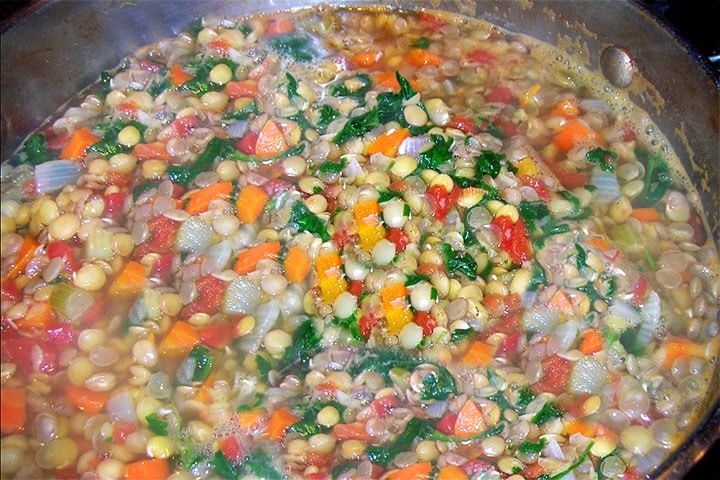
point(181, 338)
point(395, 305)
point(330, 277)
point(148, 469)
point(80, 141)
point(470, 421)
point(199, 200)
point(88, 401)
point(131, 280)
point(388, 143)
point(271, 141)
point(55, 174)
point(480, 354)
point(416, 471)
point(367, 218)
point(250, 203)
point(248, 259)
point(297, 264)
point(13, 410)
point(25, 253)
point(280, 421)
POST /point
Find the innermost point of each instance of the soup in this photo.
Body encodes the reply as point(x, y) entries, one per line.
point(350, 244)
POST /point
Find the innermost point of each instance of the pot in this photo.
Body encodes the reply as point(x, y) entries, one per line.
point(52, 50)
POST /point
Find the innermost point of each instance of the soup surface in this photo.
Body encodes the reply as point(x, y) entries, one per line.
point(349, 244)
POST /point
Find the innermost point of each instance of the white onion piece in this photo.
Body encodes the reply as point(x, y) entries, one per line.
point(241, 296)
point(553, 449)
point(587, 376)
point(55, 174)
point(412, 145)
point(564, 336)
point(266, 316)
point(607, 185)
point(122, 408)
point(540, 319)
point(194, 236)
point(237, 129)
point(218, 256)
point(626, 312)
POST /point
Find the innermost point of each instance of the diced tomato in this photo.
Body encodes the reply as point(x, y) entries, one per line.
point(242, 89)
point(220, 46)
point(508, 127)
point(152, 151)
point(508, 346)
point(231, 448)
point(482, 57)
point(60, 335)
point(59, 248)
point(279, 26)
point(464, 124)
point(446, 424)
point(508, 323)
point(56, 141)
point(536, 184)
point(399, 238)
point(10, 291)
point(163, 231)
point(569, 180)
point(129, 109)
point(210, 291)
point(275, 186)
point(367, 322)
point(149, 66)
point(328, 389)
point(475, 466)
point(513, 238)
point(441, 200)
point(163, 265)
point(121, 430)
point(316, 475)
point(318, 460)
point(247, 143)
point(640, 290)
point(533, 471)
point(430, 21)
point(356, 287)
point(342, 237)
point(184, 125)
point(426, 321)
point(383, 405)
point(29, 354)
point(217, 335)
point(500, 95)
point(351, 431)
point(114, 202)
point(118, 179)
point(94, 311)
point(556, 373)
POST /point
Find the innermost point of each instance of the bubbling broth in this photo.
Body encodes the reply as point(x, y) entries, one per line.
point(351, 243)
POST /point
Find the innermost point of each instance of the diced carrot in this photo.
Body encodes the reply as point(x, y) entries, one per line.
point(25, 253)
point(181, 338)
point(297, 264)
point(152, 151)
point(451, 472)
point(204, 394)
point(677, 347)
point(416, 471)
point(351, 431)
point(574, 133)
point(250, 203)
point(131, 280)
point(279, 26)
point(648, 214)
point(252, 420)
point(470, 421)
point(369, 229)
point(566, 108)
point(479, 354)
point(533, 471)
point(178, 76)
point(420, 57)
point(397, 312)
point(87, 400)
point(591, 342)
point(271, 141)
point(330, 278)
point(390, 80)
point(247, 260)
point(13, 410)
point(242, 89)
point(366, 58)
point(78, 143)
point(601, 243)
point(388, 143)
point(199, 200)
point(39, 316)
point(279, 422)
point(148, 469)
point(220, 46)
point(562, 303)
point(578, 426)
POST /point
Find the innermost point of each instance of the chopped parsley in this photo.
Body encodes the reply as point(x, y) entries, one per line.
point(437, 155)
point(603, 158)
point(357, 126)
point(293, 46)
point(306, 221)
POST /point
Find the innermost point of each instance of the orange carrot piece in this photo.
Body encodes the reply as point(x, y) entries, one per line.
point(567, 108)
point(247, 260)
point(470, 421)
point(479, 354)
point(148, 469)
point(252, 420)
point(250, 203)
point(388, 143)
point(452, 472)
point(578, 426)
point(178, 76)
point(575, 133)
point(131, 280)
point(390, 80)
point(203, 394)
point(13, 410)
point(351, 431)
point(677, 347)
point(367, 58)
point(279, 422)
point(88, 401)
point(297, 264)
point(416, 471)
point(648, 214)
point(279, 26)
point(420, 57)
point(199, 200)
point(600, 243)
point(330, 278)
point(181, 338)
point(271, 141)
point(26, 252)
point(242, 89)
point(39, 316)
point(591, 342)
point(562, 303)
point(78, 143)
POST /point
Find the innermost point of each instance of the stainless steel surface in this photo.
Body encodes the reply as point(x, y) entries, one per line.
point(60, 48)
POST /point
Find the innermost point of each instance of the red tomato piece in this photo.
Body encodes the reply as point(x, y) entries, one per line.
point(508, 346)
point(184, 125)
point(29, 354)
point(513, 238)
point(500, 95)
point(398, 237)
point(210, 292)
point(162, 237)
point(441, 200)
point(475, 466)
point(426, 321)
point(537, 185)
point(114, 202)
point(556, 375)
point(149, 66)
point(60, 335)
point(356, 287)
point(446, 424)
point(231, 448)
point(482, 57)
point(58, 248)
point(275, 186)
point(351, 431)
point(430, 21)
point(217, 335)
point(367, 322)
point(383, 405)
point(152, 151)
point(247, 143)
point(163, 265)
point(341, 237)
point(464, 124)
point(10, 291)
point(121, 430)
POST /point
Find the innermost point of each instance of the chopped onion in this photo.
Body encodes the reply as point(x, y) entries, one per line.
point(412, 145)
point(588, 376)
point(540, 319)
point(122, 408)
point(237, 129)
point(241, 296)
point(194, 236)
point(55, 174)
point(624, 311)
point(607, 185)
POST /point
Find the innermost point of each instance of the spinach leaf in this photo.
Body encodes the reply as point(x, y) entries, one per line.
point(261, 465)
point(459, 261)
point(489, 163)
point(161, 86)
point(633, 340)
point(292, 46)
point(603, 158)
point(581, 257)
point(538, 276)
point(292, 86)
point(350, 324)
point(224, 467)
point(422, 42)
point(36, 149)
point(109, 146)
point(306, 343)
point(657, 180)
point(217, 148)
point(548, 411)
point(533, 212)
point(488, 126)
point(387, 195)
point(415, 278)
point(390, 108)
point(460, 334)
point(157, 425)
point(142, 188)
point(525, 396)
point(196, 366)
point(327, 115)
point(340, 88)
point(438, 387)
point(552, 228)
point(244, 108)
point(305, 221)
point(329, 166)
point(531, 447)
point(357, 126)
point(437, 155)
point(383, 455)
